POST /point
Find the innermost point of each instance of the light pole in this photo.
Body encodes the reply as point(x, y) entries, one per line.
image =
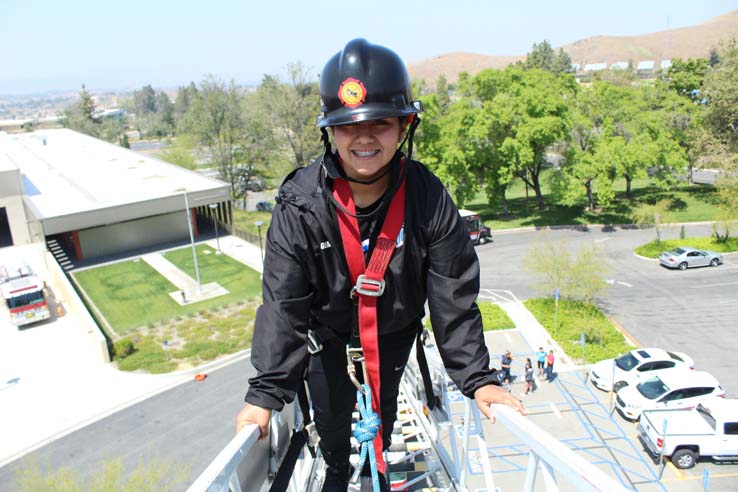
point(192, 240)
point(213, 207)
point(258, 225)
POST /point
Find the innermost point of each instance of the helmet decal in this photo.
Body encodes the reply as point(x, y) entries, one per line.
point(352, 92)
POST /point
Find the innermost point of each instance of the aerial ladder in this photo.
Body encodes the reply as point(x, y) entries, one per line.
point(432, 449)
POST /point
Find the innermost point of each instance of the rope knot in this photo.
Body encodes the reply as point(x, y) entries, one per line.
point(366, 429)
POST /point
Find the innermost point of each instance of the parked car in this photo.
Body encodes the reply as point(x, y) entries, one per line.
point(710, 429)
point(686, 257)
point(264, 206)
point(478, 232)
point(673, 388)
point(613, 374)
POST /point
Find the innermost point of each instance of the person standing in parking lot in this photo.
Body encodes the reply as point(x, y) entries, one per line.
point(550, 358)
point(541, 359)
point(359, 241)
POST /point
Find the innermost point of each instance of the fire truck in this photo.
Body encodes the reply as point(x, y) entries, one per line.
point(478, 232)
point(24, 294)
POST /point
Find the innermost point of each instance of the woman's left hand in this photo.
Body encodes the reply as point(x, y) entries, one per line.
point(489, 394)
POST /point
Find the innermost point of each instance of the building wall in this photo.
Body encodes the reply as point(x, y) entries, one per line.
point(11, 198)
point(125, 236)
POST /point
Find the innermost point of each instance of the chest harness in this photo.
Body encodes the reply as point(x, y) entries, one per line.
point(369, 284)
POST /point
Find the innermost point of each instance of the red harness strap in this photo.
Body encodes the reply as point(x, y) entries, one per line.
point(369, 281)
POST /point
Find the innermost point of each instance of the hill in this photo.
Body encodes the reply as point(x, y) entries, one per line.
point(686, 42)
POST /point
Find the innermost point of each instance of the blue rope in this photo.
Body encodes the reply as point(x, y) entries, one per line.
point(365, 432)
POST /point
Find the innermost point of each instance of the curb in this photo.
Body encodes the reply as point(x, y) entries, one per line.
point(585, 227)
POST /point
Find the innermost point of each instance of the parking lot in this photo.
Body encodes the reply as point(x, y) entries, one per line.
point(575, 412)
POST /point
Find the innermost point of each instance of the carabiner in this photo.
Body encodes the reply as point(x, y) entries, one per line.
point(354, 356)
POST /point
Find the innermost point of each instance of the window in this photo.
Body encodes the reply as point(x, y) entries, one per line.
point(675, 395)
point(675, 356)
point(626, 362)
point(702, 391)
point(648, 366)
point(731, 428)
point(663, 364)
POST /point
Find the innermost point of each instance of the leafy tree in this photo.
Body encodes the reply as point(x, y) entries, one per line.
point(144, 100)
point(576, 274)
point(525, 112)
point(292, 108)
point(721, 91)
point(215, 118)
point(80, 116)
point(714, 56)
point(686, 77)
point(165, 109)
point(442, 90)
point(543, 56)
point(654, 215)
point(185, 96)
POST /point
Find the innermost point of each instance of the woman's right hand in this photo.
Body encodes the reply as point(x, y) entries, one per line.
point(251, 414)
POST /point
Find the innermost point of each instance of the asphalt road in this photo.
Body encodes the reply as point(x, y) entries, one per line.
point(693, 311)
point(187, 425)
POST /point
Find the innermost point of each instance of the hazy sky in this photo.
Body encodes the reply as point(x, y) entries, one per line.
point(58, 45)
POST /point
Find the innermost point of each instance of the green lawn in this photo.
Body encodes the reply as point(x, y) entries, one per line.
point(132, 294)
point(244, 220)
point(690, 203)
point(601, 339)
point(654, 249)
point(494, 317)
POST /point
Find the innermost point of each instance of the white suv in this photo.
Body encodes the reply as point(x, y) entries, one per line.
point(626, 369)
point(673, 388)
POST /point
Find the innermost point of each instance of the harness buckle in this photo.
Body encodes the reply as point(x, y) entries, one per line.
point(314, 344)
point(368, 287)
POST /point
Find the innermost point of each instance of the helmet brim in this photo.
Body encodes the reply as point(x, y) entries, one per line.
point(370, 112)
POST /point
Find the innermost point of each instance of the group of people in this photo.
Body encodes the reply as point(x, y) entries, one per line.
point(545, 361)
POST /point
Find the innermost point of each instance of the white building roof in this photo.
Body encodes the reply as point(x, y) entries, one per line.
point(665, 64)
point(621, 65)
point(594, 67)
point(646, 65)
point(66, 173)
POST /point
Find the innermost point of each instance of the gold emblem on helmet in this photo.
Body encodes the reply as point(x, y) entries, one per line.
point(352, 92)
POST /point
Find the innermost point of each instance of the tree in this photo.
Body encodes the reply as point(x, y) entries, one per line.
point(525, 112)
point(185, 96)
point(80, 116)
point(686, 77)
point(215, 118)
point(292, 108)
point(577, 274)
point(653, 214)
point(721, 92)
point(542, 56)
point(144, 100)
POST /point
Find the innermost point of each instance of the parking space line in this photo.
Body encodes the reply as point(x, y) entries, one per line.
point(707, 286)
point(556, 411)
point(680, 475)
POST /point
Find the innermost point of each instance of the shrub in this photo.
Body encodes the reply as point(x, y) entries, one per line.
point(123, 348)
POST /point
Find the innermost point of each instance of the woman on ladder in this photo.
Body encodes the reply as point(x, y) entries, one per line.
point(359, 240)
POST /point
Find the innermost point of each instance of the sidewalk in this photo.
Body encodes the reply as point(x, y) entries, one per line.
point(53, 380)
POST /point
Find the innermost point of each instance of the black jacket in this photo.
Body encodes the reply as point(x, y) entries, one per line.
point(306, 284)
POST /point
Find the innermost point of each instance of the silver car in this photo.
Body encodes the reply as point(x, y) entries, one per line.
point(686, 257)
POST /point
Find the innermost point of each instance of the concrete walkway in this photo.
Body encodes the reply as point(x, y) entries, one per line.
point(188, 290)
point(533, 332)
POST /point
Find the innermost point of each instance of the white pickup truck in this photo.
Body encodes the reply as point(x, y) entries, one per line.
point(710, 429)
